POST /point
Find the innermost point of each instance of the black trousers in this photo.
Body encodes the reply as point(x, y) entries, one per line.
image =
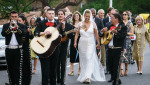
point(113, 61)
point(27, 68)
point(61, 67)
point(107, 64)
point(49, 68)
point(14, 58)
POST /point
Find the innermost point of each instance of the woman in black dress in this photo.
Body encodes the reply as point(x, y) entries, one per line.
point(73, 51)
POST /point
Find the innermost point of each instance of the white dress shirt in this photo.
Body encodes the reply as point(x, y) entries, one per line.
point(42, 18)
point(111, 42)
point(13, 40)
point(51, 21)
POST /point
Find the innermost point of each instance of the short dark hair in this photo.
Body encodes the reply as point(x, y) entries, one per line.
point(117, 15)
point(24, 19)
point(51, 9)
point(109, 9)
point(13, 12)
point(61, 11)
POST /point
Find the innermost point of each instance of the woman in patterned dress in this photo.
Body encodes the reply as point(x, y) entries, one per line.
point(139, 44)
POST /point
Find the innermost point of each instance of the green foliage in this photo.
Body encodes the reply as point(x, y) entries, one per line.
point(54, 3)
point(97, 4)
point(18, 5)
point(136, 6)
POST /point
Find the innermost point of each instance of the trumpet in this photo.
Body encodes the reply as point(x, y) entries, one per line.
point(12, 24)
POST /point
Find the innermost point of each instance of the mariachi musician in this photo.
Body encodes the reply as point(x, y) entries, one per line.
point(115, 46)
point(49, 64)
point(13, 33)
point(61, 67)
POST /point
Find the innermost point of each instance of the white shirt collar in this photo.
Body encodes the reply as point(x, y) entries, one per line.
point(117, 25)
point(42, 18)
point(51, 21)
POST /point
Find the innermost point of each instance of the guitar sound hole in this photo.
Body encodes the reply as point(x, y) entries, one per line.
point(48, 36)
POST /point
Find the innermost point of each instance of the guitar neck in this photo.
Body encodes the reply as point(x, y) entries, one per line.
point(70, 31)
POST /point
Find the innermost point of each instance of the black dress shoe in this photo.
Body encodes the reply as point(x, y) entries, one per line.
point(7, 84)
point(110, 80)
point(115, 83)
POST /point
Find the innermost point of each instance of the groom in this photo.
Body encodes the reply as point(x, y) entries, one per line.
point(115, 46)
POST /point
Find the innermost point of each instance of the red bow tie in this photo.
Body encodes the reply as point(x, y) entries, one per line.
point(50, 24)
point(112, 27)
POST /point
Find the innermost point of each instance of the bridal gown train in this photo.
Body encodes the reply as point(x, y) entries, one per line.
point(90, 64)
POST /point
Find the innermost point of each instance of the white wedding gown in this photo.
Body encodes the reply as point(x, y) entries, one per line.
point(89, 62)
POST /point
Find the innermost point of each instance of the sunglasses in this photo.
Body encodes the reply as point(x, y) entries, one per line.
point(124, 14)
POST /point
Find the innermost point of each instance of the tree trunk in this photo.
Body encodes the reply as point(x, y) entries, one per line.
point(45, 3)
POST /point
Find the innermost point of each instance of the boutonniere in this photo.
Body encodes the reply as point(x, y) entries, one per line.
point(50, 24)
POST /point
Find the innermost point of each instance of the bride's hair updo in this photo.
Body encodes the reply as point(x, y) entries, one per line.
point(87, 11)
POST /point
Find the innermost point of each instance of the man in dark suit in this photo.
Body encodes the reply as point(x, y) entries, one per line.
point(108, 18)
point(48, 65)
point(13, 33)
point(61, 67)
point(115, 46)
point(100, 26)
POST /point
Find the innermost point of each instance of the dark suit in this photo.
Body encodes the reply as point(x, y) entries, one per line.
point(39, 20)
point(48, 65)
point(99, 24)
point(105, 21)
point(27, 69)
point(114, 54)
point(62, 61)
point(14, 56)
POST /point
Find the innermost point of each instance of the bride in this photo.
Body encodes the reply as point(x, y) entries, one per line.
point(91, 68)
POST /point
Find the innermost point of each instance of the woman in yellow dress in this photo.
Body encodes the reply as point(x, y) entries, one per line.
point(139, 44)
point(33, 55)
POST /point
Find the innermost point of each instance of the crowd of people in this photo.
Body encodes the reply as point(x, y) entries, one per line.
point(86, 47)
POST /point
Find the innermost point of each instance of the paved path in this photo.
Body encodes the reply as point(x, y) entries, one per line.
point(131, 79)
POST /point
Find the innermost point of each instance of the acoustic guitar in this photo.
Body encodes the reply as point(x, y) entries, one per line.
point(108, 36)
point(66, 34)
point(45, 45)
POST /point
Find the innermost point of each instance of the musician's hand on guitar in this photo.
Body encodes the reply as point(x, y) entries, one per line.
point(104, 29)
point(42, 33)
point(98, 46)
point(63, 25)
point(114, 31)
point(47, 32)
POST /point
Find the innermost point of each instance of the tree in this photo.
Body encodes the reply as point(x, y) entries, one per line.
point(25, 5)
point(97, 4)
point(19, 5)
point(138, 6)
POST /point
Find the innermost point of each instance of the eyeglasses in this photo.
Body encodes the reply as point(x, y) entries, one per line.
point(124, 14)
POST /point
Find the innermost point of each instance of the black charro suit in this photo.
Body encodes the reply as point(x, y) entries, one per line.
point(61, 67)
point(114, 53)
point(14, 56)
point(6, 32)
point(48, 65)
point(27, 69)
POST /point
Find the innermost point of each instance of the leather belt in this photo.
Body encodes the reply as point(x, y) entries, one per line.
point(112, 47)
point(13, 46)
